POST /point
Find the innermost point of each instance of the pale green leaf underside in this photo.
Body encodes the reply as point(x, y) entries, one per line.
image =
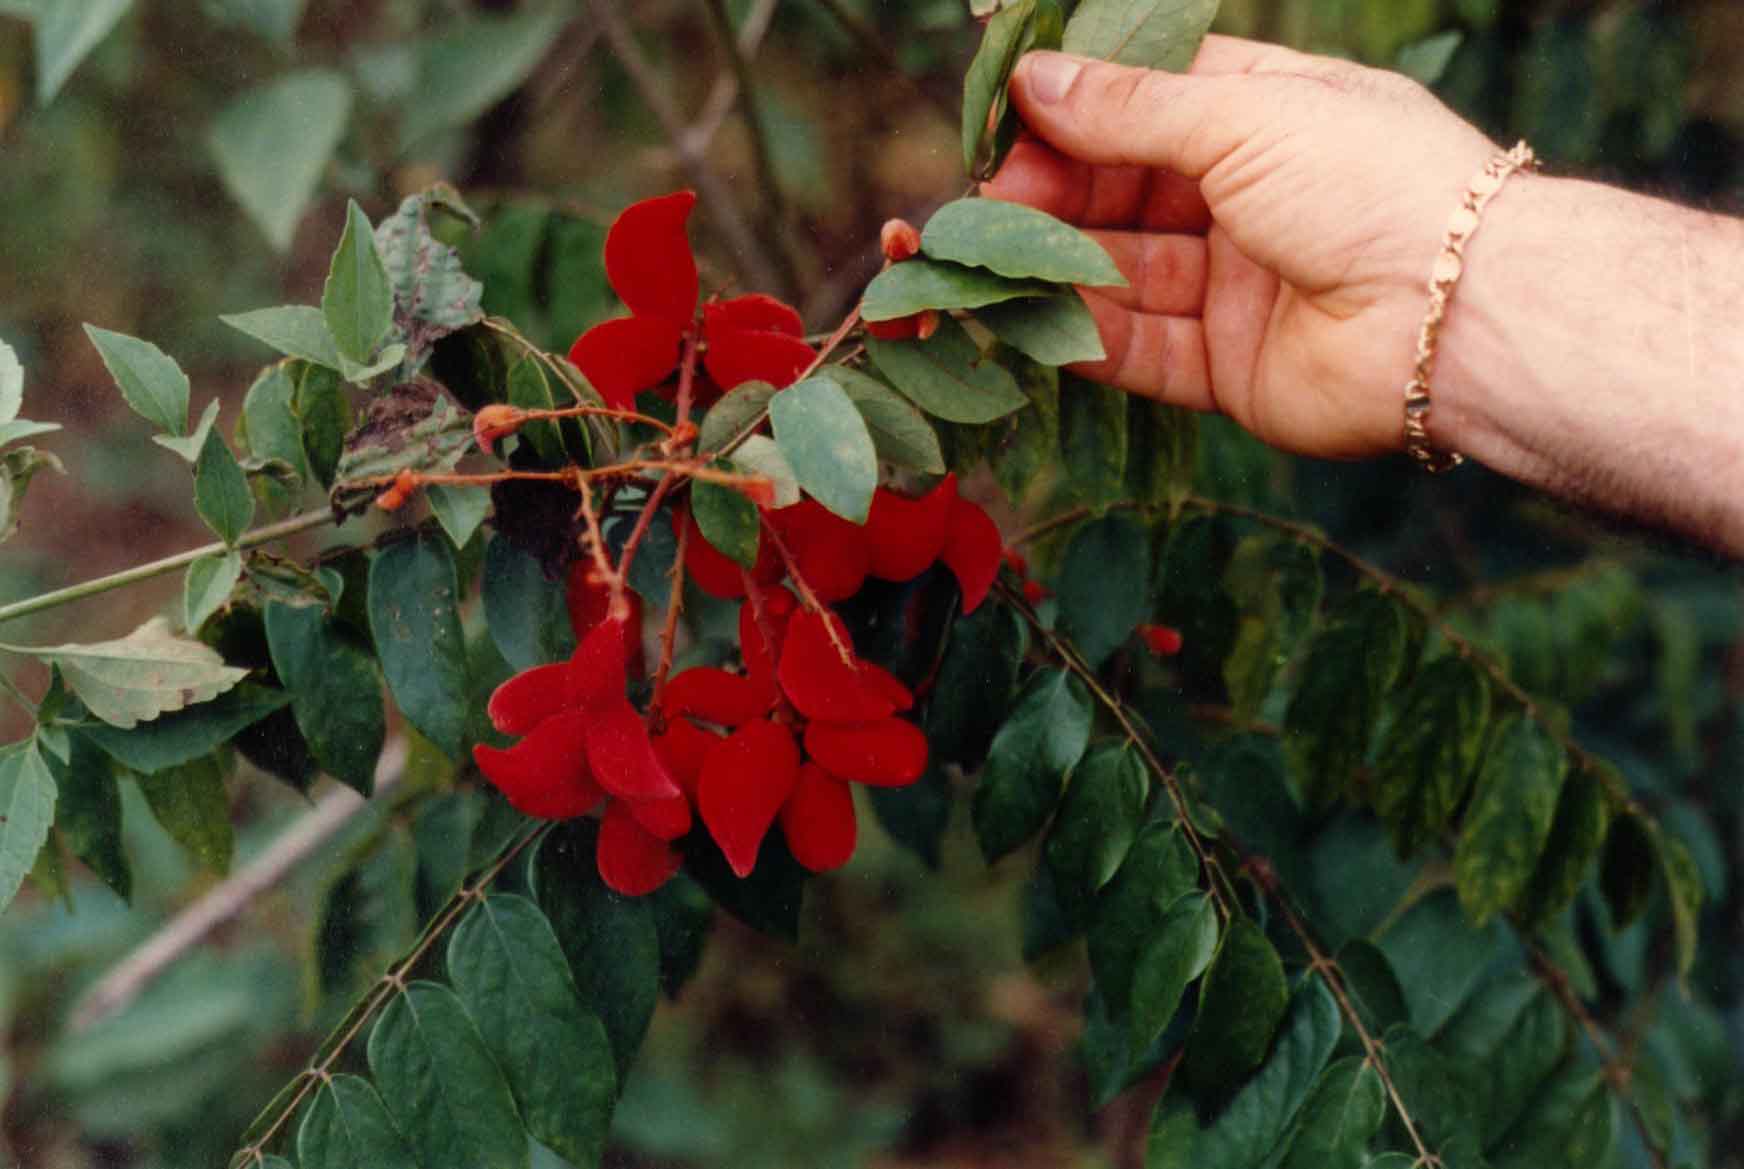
point(140, 676)
point(1017, 242)
point(27, 801)
point(273, 144)
point(1154, 34)
point(66, 32)
point(149, 379)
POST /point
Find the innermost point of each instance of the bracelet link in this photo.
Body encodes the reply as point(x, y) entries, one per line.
point(1443, 279)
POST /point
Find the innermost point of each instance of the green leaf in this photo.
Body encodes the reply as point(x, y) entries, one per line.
point(1425, 763)
point(1683, 886)
point(759, 455)
point(610, 940)
point(727, 520)
point(916, 815)
point(524, 609)
point(1028, 762)
point(347, 1126)
point(1093, 438)
point(418, 432)
point(273, 145)
point(11, 384)
point(188, 447)
point(18, 467)
point(474, 64)
point(1024, 446)
point(140, 676)
point(1426, 61)
point(326, 417)
point(1054, 330)
point(1158, 871)
point(826, 442)
point(88, 814)
point(296, 330)
point(441, 1085)
point(335, 691)
point(27, 809)
point(149, 379)
point(1276, 585)
point(683, 914)
point(1439, 957)
point(185, 735)
point(989, 126)
point(900, 433)
point(1509, 818)
point(20, 428)
point(1097, 823)
point(1517, 1033)
point(1437, 1098)
point(972, 694)
point(1352, 666)
point(1259, 1115)
point(1017, 242)
point(510, 972)
point(915, 285)
point(1339, 1118)
point(1104, 585)
point(357, 301)
point(1177, 953)
point(947, 375)
point(66, 32)
point(432, 294)
point(1152, 34)
point(221, 492)
point(1577, 834)
point(368, 913)
point(193, 807)
point(1241, 1002)
point(414, 618)
point(734, 416)
point(460, 510)
point(270, 425)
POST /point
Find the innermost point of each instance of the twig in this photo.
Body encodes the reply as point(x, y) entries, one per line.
point(139, 572)
point(719, 102)
point(127, 978)
point(717, 196)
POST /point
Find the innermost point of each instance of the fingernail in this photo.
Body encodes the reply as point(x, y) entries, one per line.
point(1051, 75)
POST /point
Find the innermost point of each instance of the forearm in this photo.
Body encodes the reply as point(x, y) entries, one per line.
point(1596, 349)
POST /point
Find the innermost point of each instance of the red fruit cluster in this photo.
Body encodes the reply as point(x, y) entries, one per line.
point(900, 241)
point(652, 269)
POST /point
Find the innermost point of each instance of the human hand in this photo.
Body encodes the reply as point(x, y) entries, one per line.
point(1276, 215)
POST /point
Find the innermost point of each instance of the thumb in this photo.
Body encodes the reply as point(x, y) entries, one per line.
point(1116, 115)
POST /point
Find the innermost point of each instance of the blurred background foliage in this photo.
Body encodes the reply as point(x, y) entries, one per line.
point(905, 1029)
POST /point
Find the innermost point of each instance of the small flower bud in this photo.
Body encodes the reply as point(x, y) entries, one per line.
point(496, 421)
point(1014, 560)
point(899, 240)
point(1163, 641)
point(395, 496)
point(926, 324)
point(1033, 592)
point(900, 329)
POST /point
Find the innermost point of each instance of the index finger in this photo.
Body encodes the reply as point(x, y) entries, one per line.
point(1091, 196)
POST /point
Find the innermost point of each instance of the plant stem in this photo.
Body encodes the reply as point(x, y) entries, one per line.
point(104, 584)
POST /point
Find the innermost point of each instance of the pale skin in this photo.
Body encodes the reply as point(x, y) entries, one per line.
point(1278, 215)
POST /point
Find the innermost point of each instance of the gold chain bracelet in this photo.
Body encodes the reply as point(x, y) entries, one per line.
point(1449, 266)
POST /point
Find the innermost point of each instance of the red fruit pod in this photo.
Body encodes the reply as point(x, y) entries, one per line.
point(896, 329)
point(621, 754)
point(622, 357)
point(755, 311)
point(816, 678)
point(716, 696)
point(889, 752)
point(716, 573)
point(906, 534)
point(926, 324)
point(972, 552)
point(899, 240)
point(668, 819)
point(529, 698)
point(818, 820)
point(829, 553)
point(737, 356)
point(1161, 640)
point(759, 656)
point(631, 860)
point(743, 785)
point(649, 263)
point(683, 748)
point(546, 774)
point(599, 669)
point(886, 684)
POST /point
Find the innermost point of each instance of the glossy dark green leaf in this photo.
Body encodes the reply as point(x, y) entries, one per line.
point(1174, 956)
point(1027, 764)
point(1514, 1034)
point(826, 442)
point(270, 424)
point(1162, 449)
point(1569, 1112)
point(1241, 1003)
point(441, 1085)
point(610, 940)
point(902, 290)
point(27, 809)
point(525, 609)
point(947, 375)
point(1259, 1115)
point(510, 972)
point(1158, 871)
point(1683, 886)
point(1627, 869)
point(1437, 1098)
point(727, 520)
point(989, 125)
point(770, 900)
point(526, 385)
point(460, 510)
point(1439, 957)
point(149, 379)
point(683, 914)
point(357, 301)
point(1104, 584)
point(414, 598)
point(273, 144)
point(346, 1126)
point(1152, 34)
point(1352, 665)
point(1373, 988)
point(221, 491)
point(335, 691)
point(193, 807)
point(1276, 586)
point(972, 694)
point(326, 416)
point(1577, 835)
point(1425, 764)
point(1022, 446)
point(1093, 438)
point(1018, 242)
point(171, 740)
point(900, 433)
point(1509, 818)
point(1097, 823)
point(1339, 1118)
point(88, 813)
point(916, 814)
point(1191, 597)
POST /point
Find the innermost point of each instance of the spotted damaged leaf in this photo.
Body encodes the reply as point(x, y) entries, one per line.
point(416, 427)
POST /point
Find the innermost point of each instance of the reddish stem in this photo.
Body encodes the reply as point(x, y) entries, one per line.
point(674, 610)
